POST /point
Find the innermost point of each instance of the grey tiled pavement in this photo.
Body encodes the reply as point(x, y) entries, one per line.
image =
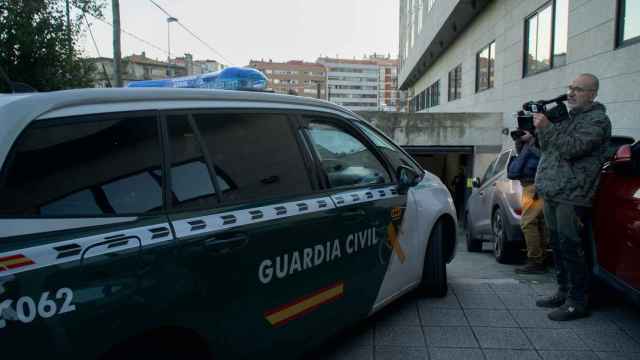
point(490, 314)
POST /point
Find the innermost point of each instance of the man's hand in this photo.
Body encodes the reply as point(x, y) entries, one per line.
point(540, 121)
point(527, 137)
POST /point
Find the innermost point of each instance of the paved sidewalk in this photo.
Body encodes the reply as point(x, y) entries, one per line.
point(490, 313)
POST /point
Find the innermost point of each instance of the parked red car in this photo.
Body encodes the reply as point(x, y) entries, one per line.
point(617, 222)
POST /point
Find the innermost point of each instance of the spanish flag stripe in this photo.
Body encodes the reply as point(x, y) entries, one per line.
point(16, 265)
point(19, 256)
point(304, 306)
point(307, 311)
point(303, 298)
point(14, 261)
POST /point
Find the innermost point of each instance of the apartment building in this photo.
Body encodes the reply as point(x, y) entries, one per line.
point(353, 84)
point(390, 98)
point(492, 56)
point(294, 77)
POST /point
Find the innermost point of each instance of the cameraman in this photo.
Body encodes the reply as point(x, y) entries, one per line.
point(572, 151)
point(523, 168)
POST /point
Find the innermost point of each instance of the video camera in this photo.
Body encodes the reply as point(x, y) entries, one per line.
point(555, 114)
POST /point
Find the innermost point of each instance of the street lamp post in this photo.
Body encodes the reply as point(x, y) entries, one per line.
point(170, 19)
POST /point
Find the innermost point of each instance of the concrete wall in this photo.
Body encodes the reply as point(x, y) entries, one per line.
point(591, 48)
point(480, 130)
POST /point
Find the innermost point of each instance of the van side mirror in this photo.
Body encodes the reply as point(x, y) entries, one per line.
point(407, 177)
point(476, 182)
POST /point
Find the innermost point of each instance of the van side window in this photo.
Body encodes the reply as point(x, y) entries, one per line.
point(345, 159)
point(391, 151)
point(257, 155)
point(191, 183)
point(82, 168)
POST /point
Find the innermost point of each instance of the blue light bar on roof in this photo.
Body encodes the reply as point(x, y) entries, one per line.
point(231, 78)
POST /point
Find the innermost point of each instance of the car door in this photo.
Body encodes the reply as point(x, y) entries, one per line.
point(81, 201)
point(481, 214)
point(370, 207)
point(258, 244)
point(617, 233)
point(474, 205)
point(487, 191)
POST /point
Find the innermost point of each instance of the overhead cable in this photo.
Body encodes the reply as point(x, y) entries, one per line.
point(133, 35)
point(104, 69)
point(192, 33)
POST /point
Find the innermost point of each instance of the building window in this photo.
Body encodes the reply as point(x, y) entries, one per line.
point(546, 34)
point(428, 98)
point(485, 67)
point(435, 94)
point(628, 22)
point(430, 4)
point(455, 83)
point(411, 13)
point(560, 32)
point(420, 14)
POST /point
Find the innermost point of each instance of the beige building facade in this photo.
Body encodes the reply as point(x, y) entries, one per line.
point(294, 77)
point(135, 67)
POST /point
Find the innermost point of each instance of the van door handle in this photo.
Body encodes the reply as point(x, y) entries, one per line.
point(225, 246)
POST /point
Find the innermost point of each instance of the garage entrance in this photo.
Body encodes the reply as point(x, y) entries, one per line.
point(446, 162)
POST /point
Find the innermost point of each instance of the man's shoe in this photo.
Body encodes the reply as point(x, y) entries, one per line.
point(532, 268)
point(569, 311)
point(553, 301)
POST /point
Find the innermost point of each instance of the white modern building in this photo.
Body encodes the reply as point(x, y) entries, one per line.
point(390, 98)
point(492, 56)
point(352, 83)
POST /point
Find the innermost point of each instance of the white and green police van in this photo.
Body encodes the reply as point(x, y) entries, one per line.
point(202, 223)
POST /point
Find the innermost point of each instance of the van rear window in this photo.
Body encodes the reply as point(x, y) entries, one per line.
point(84, 168)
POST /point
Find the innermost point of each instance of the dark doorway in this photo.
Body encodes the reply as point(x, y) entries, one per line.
point(447, 162)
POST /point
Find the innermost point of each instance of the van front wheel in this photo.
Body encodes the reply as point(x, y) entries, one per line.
point(434, 271)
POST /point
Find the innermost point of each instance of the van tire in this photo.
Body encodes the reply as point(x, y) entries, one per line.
point(434, 271)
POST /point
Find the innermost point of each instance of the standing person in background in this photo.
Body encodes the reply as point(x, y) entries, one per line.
point(459, 185)
point(523, 168)
point(573, 152)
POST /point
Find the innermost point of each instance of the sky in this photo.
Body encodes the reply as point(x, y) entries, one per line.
point(241, 30)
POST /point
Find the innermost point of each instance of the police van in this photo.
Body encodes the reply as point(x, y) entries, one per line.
point(204, 223)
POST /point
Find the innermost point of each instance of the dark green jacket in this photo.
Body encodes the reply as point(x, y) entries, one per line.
point(573, 152)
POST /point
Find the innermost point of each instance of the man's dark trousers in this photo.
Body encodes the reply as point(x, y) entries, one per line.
point(567, 226)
